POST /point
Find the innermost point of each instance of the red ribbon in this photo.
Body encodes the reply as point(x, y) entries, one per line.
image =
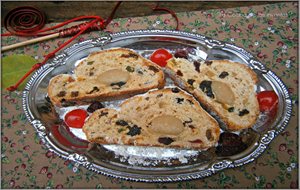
point(157, 8)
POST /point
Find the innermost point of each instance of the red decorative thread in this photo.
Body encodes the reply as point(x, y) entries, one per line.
point(157, 8)
point(75, 29)
point(51, 55)
point(96, 23)
point(111, 16)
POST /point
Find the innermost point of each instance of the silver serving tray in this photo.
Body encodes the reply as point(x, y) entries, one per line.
point(150, 164)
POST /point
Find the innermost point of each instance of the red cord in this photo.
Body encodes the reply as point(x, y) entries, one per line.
point(157, 8)
point(82, 28)
point(75, 29)
point(49, 56)
point(111, 16)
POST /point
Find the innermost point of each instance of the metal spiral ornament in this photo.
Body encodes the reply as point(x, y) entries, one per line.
point(24, 21)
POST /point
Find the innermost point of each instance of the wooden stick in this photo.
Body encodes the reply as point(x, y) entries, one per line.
point(48, 37)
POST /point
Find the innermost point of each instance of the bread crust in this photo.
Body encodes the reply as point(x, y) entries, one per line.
point(211, 104)
point(201, 131)
point(150, 76)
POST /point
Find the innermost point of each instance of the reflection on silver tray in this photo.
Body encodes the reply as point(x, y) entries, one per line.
point(151, 164)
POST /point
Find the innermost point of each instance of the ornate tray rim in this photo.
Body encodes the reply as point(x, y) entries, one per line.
point(264, 141)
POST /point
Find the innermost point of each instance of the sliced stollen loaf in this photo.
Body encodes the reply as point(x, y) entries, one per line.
point(106, 75)
point(224, 87)
point(161, 118)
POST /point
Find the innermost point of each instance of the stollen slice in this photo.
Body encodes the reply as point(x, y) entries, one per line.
point(106, 75)
point(226, 88)
point(161, 118)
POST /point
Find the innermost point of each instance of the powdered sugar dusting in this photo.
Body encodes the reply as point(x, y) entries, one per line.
point(150, 156)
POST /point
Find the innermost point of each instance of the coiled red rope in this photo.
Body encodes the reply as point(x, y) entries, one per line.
point(75, 29)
